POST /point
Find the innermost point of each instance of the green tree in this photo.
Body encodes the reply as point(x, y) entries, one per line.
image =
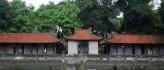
point(5, 16)
point(63, 15)
point(99, 15)
point(161, 12)
point(21, 17)
point(138, 16)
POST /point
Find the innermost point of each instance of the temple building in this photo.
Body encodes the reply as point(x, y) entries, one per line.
point(83, 42)
point(28, 44)
point(135, 45)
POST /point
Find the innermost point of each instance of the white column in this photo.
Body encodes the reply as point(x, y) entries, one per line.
point(72, 47)
point(93, 47)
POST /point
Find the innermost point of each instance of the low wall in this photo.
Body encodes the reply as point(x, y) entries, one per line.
point(89, 65)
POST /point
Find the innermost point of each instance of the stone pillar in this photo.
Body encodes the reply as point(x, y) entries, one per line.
point(93, 47)
point(72, 47)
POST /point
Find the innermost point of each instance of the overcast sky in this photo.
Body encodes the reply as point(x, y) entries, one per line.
point(37, 3)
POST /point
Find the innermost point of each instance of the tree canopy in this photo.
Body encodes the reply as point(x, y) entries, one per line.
point(138, 16)
point(21, 16)
point(97, 15)
point(45, 19)
point(161, 12)
point(100, 15)
point(5, 16)
point(63, 15)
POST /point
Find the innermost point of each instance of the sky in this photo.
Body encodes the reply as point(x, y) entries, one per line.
point(37, 3)
point(157, 3)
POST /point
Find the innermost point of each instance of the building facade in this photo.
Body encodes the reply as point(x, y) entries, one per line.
point(135, 45)
point(28, 44)
point(83, 42)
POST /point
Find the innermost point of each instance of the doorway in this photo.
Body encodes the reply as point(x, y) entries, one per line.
point(83, 47)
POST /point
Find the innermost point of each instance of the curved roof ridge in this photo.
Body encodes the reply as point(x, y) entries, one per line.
point(83, 34)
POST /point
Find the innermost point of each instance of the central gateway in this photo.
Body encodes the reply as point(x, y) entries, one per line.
point(82, 42)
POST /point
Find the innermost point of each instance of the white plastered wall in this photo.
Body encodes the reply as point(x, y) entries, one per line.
point(72, 47)
point(93, 47)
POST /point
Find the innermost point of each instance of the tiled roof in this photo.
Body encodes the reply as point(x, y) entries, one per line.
point(83, 35)
point(137, 39)
point(28, 38)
